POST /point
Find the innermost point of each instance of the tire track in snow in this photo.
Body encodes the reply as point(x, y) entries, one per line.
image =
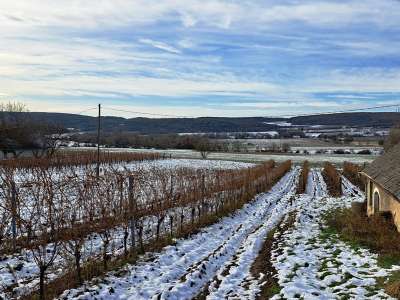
point(180, 271)
point(233, 277)
point(251, 287)
point(234, 280)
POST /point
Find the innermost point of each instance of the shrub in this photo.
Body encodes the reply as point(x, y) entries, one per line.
point(352, 172)
point(339, 151)
point(63, 159)
point(376, 232)
point(332, 179)
point(365, 152)
point(301, 186)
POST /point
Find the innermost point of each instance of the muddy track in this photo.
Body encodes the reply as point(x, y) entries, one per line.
point(262, 268)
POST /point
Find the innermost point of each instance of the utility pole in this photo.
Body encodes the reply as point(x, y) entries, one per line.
point(98, 143)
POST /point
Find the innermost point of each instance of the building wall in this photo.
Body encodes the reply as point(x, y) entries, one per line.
point(387, 202)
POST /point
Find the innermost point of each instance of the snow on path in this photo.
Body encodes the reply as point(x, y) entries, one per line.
point(181, 271)
point(351, 190)
point(313, 267)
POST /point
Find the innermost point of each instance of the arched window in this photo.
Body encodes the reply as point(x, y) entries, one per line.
point(376, 201)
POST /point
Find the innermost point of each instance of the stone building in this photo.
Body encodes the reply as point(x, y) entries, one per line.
point(383, 185)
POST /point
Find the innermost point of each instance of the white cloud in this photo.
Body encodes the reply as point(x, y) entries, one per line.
point(279, 103)
point(367, 80)
point(224, 14)
point(187, 44)
point(138, 86)
point(188, 20)
point(160, 45)
point(68, 49)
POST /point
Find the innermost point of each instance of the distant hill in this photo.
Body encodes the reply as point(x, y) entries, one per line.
point(208, 124)
point(377, 119)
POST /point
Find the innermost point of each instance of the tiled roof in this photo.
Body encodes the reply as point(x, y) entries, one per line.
point(385, 170)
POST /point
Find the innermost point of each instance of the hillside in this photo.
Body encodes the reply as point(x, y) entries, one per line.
point(211, 124)
point(379, 119)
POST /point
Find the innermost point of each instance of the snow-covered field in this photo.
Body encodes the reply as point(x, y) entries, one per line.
point(317, 159)
point(216, 263)
point(191, 164)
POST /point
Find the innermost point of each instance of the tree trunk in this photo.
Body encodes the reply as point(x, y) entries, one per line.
point(78, 263)
point(171, 224)
point(159, 222)
point(126, 234)
point(141, 238)
point(41, 282)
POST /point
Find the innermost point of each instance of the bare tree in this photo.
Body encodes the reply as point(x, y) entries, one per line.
point(204, 147)
point(11, 117)
point(393, 138)
point(19, 132)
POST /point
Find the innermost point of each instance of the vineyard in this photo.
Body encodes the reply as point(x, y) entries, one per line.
point(59, 213)
point(63, 226)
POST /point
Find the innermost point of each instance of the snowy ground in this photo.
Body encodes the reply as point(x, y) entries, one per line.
point(311, 265)
point(181, 271)
point(193, 164)
point(256, 157)
point(19, 272)
point(216, 262)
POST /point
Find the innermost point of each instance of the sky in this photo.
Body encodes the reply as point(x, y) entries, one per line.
point(200, 57)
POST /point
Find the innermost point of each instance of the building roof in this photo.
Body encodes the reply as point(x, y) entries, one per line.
point(385, 170)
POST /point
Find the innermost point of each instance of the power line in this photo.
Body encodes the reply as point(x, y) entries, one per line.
point(339, 111)
point(86, 110)
point(279, 116)
point(147, 113)
point(28, 112)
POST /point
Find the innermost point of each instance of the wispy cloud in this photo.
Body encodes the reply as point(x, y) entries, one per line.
point(211, 56)
point(160, 45)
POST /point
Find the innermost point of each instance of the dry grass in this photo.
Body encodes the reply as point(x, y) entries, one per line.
point(377, 233)
point(332, 179)
point(392, 286)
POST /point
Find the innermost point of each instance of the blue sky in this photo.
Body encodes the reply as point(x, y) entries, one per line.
point(200, 58)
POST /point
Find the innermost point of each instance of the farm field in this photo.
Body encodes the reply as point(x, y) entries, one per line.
point(315, 159)
point(308, 142)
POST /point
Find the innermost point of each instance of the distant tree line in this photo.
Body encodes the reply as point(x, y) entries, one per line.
point(19, 133)
point(132, 140)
